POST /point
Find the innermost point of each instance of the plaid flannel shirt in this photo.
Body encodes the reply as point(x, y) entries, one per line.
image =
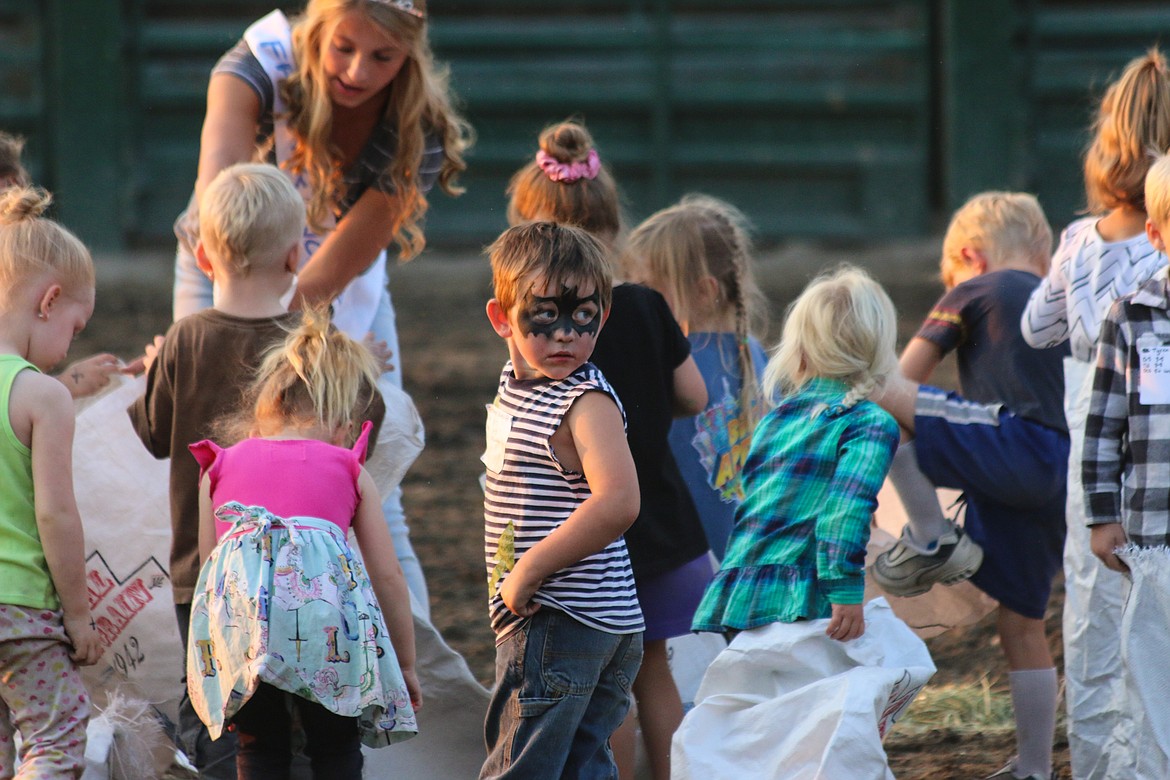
point(811, 480)
point(1126, 459)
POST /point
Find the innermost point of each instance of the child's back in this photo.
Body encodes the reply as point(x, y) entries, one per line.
point(202, 369)
point(980, 320)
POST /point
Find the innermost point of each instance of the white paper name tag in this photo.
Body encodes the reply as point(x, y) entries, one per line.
point(1154, 379)
point(499, 425)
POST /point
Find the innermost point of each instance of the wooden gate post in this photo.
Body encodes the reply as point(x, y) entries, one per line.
point(984, 113)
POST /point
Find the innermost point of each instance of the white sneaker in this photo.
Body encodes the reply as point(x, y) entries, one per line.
point(903, 571)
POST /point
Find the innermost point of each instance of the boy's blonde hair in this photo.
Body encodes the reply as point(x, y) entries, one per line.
point(251, 216)
point(698, 237)
point(1157, 193)
point(317, 376)
point(32, 247)
point(1003, 226)
point(589, 203)
point(561, 255)
point(1132, 124)
point(842, 326)
point(12, 172)
point(420, 104)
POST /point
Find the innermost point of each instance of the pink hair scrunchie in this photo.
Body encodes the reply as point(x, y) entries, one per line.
point(556, 170)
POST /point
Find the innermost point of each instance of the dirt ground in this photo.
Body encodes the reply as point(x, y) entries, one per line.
point(452, 360)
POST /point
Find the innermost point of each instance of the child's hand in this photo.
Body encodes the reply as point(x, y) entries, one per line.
point(87, 643)
point(1103, 540)
point(380, 350)
point(141, 364)
point(85, 377)
point(413, 688)
point(517, 594)
point(848, 622)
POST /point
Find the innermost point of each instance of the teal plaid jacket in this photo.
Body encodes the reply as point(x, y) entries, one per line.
point(811, 480)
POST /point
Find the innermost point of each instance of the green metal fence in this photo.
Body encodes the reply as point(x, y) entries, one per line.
point(837, 118)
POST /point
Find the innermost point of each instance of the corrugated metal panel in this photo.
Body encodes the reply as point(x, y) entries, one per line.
point(22, 78)
point(814, 117)
point(1077, 49)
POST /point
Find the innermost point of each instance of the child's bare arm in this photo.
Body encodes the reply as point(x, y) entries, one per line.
point(387, 579)
point(58, 521)
point(600, 441)
point(690, 391)
point(88, 375)
point(206, 520)
point(919, 359)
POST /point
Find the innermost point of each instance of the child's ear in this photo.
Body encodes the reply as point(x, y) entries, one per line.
point(202, 261)
point(499, 319)
point(293, 260)
point(975, 259)
point(48, 300)
point(1154, 233)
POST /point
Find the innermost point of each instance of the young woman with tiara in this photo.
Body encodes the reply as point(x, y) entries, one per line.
point(1100, 258)
point(646, 358)
point(348, 100)
point(698, 254)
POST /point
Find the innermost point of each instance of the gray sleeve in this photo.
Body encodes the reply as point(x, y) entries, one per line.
point(241, 63)
point(428, 168)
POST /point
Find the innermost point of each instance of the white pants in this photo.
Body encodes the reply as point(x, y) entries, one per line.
point(193, 292)
point(1100, 728)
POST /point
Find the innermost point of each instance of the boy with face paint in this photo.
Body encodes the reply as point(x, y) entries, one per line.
point(561, 489)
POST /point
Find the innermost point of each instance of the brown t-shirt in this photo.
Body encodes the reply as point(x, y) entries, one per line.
point(205, 365)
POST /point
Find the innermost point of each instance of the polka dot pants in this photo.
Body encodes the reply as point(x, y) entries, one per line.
point(41, 696)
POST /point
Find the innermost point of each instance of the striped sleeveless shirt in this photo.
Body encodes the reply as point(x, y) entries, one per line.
point(528, 495)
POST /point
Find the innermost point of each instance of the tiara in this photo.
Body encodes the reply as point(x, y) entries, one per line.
point(406, 6)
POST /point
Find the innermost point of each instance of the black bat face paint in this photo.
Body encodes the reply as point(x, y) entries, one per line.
point(548, 316)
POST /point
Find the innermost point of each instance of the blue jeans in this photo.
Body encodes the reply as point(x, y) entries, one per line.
point(562, 689)
point(193, 293)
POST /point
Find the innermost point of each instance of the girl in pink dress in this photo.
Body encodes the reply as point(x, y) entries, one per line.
point(285, 613)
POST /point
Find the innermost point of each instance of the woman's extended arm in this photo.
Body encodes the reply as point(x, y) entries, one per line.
point(229, 127)
point(362, 233)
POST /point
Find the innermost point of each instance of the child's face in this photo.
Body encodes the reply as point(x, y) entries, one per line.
point(61, 320)
point(551, 332)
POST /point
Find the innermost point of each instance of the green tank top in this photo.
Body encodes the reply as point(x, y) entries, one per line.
point(24, 574)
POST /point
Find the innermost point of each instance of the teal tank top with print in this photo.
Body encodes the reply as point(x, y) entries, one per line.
point(24, 573)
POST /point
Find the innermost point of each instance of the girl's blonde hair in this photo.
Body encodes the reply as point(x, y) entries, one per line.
point(1003, 226)
point(1132, 124)
point(420, 102)
point(32, 246)
point(842, 327)
point(675, 249)
point(12, 171)
point(589, 203)
point(318, 376)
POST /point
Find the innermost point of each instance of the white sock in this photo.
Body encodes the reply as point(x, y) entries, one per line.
point(1034, 694)
point(925, 521)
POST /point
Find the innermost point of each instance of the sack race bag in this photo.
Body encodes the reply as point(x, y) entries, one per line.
point(1141, 748)
point(785, 700)
point(124, 501)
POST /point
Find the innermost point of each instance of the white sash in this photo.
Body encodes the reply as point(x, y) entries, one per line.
point(270, 40)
